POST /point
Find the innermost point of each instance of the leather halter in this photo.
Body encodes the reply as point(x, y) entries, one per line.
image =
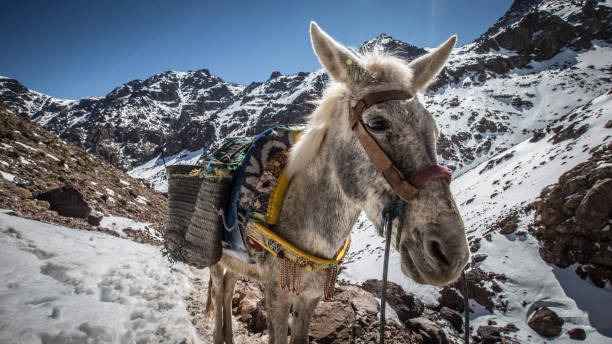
point(405, 188)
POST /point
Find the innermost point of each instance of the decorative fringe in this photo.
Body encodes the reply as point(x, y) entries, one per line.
point(290, 276)
point(330, 283)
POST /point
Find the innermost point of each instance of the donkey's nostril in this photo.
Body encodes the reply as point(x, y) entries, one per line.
point(435, 250)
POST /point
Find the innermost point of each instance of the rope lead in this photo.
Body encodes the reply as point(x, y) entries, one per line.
point(393, 209)
point(466, 305)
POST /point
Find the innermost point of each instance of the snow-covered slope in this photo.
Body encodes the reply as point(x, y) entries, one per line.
point(60, 285)
point(480, 119)
point(486, 194)
point(518, 107)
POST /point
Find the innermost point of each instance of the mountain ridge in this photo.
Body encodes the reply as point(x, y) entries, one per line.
point(186, 111)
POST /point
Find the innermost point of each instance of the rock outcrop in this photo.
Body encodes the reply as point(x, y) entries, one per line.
point(573, 218)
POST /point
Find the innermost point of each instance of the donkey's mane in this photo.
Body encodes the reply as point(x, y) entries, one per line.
point(389, 72)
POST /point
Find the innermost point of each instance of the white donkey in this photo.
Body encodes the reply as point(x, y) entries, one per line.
point(335, 177)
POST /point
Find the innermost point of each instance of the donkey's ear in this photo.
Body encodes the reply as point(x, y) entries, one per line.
point(428, 66)
point(341, 64)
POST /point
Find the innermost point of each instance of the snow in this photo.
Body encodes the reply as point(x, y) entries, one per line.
point(155, 170)
point(529, 278)
point(59, 285)
point(26, 146)
point(8, 176)
point(569, 83)
point(119, 223)
point(53, 157)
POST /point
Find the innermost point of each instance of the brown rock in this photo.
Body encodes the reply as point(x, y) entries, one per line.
point(453, 317)
point(546, 322)
point(593, 212)
point(429, 329)
point(489, 334)
point(95, 218)
point(362, 301)
point(332, 323)
point(249, 305)
point(477, 258)
point(477, 280)
point(67, 201)
point(451, 299)
point(577, 333)
point(406, 305)
point(570, 216)
point(508, 228)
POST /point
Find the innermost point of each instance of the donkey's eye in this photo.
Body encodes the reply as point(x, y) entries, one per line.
point(378, 124)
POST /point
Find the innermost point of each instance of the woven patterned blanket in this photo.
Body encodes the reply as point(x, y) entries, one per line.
point(258, 189)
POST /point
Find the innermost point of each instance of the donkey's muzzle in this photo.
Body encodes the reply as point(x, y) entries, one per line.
point(443, 255)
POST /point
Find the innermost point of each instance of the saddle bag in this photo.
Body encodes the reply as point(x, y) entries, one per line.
point(197, 194)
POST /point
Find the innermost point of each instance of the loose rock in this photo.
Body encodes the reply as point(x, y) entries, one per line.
point(546, 322)
point(577, 333)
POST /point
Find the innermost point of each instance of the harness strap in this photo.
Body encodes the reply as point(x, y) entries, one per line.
point(405, 188)
point(375, 98)
point(384, 165)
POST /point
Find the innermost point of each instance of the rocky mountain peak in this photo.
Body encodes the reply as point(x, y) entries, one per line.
point(386, 43)
point(543, 28)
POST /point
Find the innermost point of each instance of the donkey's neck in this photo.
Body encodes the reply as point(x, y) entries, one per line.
point(316, 216)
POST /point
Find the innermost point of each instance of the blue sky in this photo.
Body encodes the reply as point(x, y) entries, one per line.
point(75, 49)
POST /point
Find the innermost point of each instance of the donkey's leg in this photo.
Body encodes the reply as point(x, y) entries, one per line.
point(278, 303)
point(303, 309)
point(229, 281)
point(216, 276)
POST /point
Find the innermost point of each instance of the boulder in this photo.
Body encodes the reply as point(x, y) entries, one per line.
point(332, 322)
point(489, 334)
point(430, 331)
point(453, 317)
point(95, 218)
point(67, 201)
point(546, 322)
point(361, 301)
point(450, 298)
point(406, 305)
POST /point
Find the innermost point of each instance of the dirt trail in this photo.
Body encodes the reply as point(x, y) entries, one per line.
point(196, 303)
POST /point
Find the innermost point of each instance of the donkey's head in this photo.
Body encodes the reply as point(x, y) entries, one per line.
point(433, 244)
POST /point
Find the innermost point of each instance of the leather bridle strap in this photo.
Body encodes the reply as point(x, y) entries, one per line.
point(404, 188)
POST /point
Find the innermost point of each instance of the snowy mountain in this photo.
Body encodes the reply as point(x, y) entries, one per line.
point(487, 99)
point(518, 108)
point(181, 110)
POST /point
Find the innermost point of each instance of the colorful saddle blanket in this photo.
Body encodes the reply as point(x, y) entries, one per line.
point(259, 187)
